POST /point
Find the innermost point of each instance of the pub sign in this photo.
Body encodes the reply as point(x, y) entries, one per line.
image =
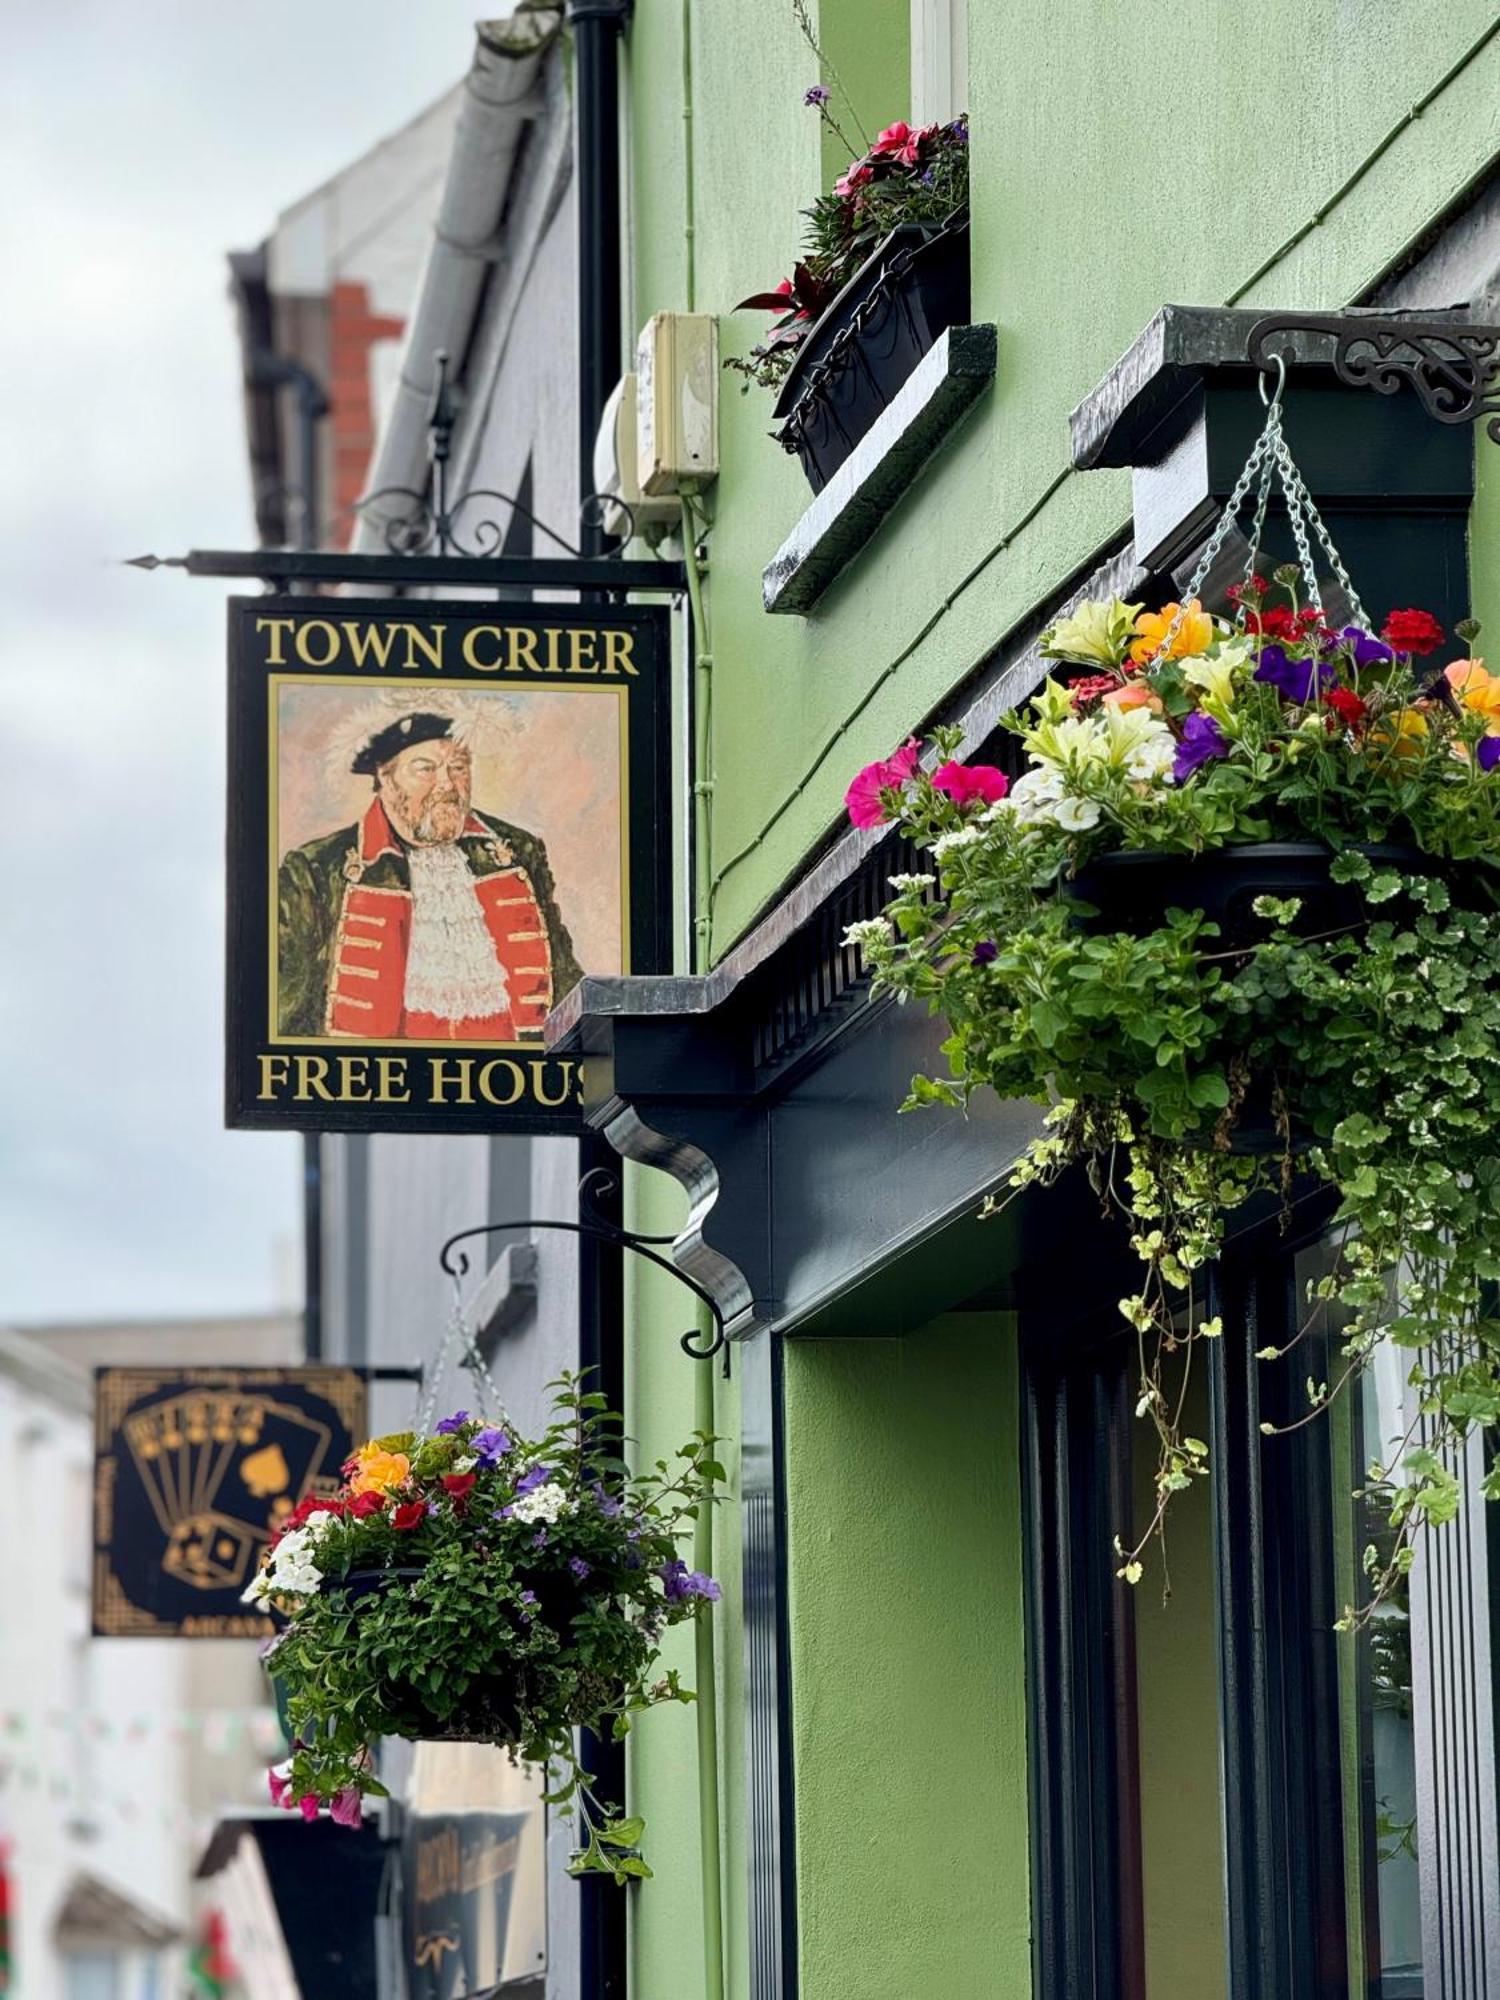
point(440, 816)
point(194, 1470)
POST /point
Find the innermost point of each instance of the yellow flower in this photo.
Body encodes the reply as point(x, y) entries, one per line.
point(1092, 631)
point(1216, 677)
point(378, 1471)
point(1406, 738)
point(1475, 688)
point(1193, 636)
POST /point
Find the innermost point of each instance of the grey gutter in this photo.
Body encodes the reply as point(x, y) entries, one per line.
point(500, 99)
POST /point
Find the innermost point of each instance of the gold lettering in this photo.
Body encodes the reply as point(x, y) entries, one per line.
point(418, 642)
point(277, 627)
point(578, 638)
point(470, 648)
point(391, 1086)
point(553, 639)
point(619, 654)
point(522, 651)
point(354, 1080)
point(517, 1079)
point(462, 1079)
point(367, 639)
point(273, 1069)
point(564, 1069)
point(302, 638)
point(312, 1079)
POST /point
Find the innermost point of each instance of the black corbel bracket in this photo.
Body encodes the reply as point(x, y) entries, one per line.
point(1455, 369)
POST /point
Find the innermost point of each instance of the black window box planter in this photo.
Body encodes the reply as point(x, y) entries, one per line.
point(909, 290)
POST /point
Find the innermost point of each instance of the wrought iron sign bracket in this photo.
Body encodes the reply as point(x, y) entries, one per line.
point(595, 1184)
point(1455, 369)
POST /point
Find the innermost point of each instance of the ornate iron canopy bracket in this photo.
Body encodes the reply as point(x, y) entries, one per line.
point(1454, 369)
point(595, 1184)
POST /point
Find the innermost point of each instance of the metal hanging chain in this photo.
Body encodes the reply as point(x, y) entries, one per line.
point(1269, 464)
point(486, 1394)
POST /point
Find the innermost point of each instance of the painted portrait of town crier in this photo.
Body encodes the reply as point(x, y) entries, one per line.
point(427, 919)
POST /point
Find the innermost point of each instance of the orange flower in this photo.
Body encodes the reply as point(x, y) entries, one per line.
point(1134, 694)
point(379, 1471)
point(1194, 635)
point(1474, 687)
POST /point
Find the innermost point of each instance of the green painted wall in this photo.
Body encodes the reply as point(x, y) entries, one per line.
point(1124, 155)
point(907, 1664)
point(666, 1914)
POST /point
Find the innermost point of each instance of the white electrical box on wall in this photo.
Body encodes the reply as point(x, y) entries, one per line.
point(677, 403)
point(615, 468)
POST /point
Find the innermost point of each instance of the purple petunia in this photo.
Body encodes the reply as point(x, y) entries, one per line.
point(1293, 680)
point(1489, 752)
point(450, 1425)
point(679, 1583)
point(1365, 649)
point(503, 1513)
point(530, 1481)
point(539, 1539)
point(985, 952)
point(578, 1566)
point(490, 1446)
point(1202, 739)
point(607, 1504)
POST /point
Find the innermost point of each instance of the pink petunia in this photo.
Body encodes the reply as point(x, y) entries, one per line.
point(971, 784)
point(893, 138)
point(348, 1807)
point(863, 798)
point(280, 1786)
point(308, 1804)
point(854, 179)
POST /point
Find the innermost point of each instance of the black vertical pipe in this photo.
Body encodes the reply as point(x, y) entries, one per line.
point(596, 28)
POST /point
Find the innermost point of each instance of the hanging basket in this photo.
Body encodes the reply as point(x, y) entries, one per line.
point(1133, 889)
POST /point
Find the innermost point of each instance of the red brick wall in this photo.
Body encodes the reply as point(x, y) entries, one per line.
point(353, 331)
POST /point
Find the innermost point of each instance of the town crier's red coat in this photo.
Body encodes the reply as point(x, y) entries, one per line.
point(364, 962)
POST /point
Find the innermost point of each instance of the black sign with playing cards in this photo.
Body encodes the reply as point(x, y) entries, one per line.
point(194, 1470)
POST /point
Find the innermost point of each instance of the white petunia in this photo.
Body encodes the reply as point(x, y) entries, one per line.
point(950, 843)
point(1076, 815)
point(904, 882)
point(871, 930)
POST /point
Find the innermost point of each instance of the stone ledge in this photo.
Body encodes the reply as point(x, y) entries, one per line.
point(887, 460)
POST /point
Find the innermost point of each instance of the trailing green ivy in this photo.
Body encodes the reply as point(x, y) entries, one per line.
point(1370, 1049)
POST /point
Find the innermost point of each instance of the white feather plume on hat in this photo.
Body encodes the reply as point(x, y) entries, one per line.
point(482, 720)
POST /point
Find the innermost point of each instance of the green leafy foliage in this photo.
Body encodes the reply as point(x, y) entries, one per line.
point(1370, 1046)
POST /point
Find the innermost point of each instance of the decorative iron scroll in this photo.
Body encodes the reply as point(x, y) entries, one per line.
point(430, 521)
point(595, 1186)
point(1455, 369)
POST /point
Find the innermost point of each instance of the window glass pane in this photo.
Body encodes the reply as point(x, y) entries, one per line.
point(93, 1976)
point(1365, 1431)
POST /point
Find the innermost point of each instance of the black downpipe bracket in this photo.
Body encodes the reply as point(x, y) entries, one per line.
point(596, 27)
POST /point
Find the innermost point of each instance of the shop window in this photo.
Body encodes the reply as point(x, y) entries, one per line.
point(1229, 1796)
point(93, 1975)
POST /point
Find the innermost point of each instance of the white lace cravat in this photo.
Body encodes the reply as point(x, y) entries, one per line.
point(451, 968)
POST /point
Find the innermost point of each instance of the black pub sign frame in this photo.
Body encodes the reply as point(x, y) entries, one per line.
point(323, 1029)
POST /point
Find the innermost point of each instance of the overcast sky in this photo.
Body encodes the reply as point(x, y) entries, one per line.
point(138, 144)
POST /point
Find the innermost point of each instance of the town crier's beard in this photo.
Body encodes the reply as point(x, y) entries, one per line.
point(425, 791)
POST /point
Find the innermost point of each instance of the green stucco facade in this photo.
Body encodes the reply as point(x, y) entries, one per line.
point(1124, 155)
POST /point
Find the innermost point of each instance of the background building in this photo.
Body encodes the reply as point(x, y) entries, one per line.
point(116, 1756)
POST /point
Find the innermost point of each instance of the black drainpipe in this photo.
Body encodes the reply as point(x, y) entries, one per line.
point(596, 28)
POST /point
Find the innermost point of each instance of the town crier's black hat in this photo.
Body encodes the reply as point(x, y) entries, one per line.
point(398, 736)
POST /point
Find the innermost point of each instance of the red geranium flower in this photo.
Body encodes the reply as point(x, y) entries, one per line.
point(409, 1516)
point(1089, 687)
point(1278, 622)
point(460, 1485)
point(1415, 632)
point(363, 1505)
point(1347, 705)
